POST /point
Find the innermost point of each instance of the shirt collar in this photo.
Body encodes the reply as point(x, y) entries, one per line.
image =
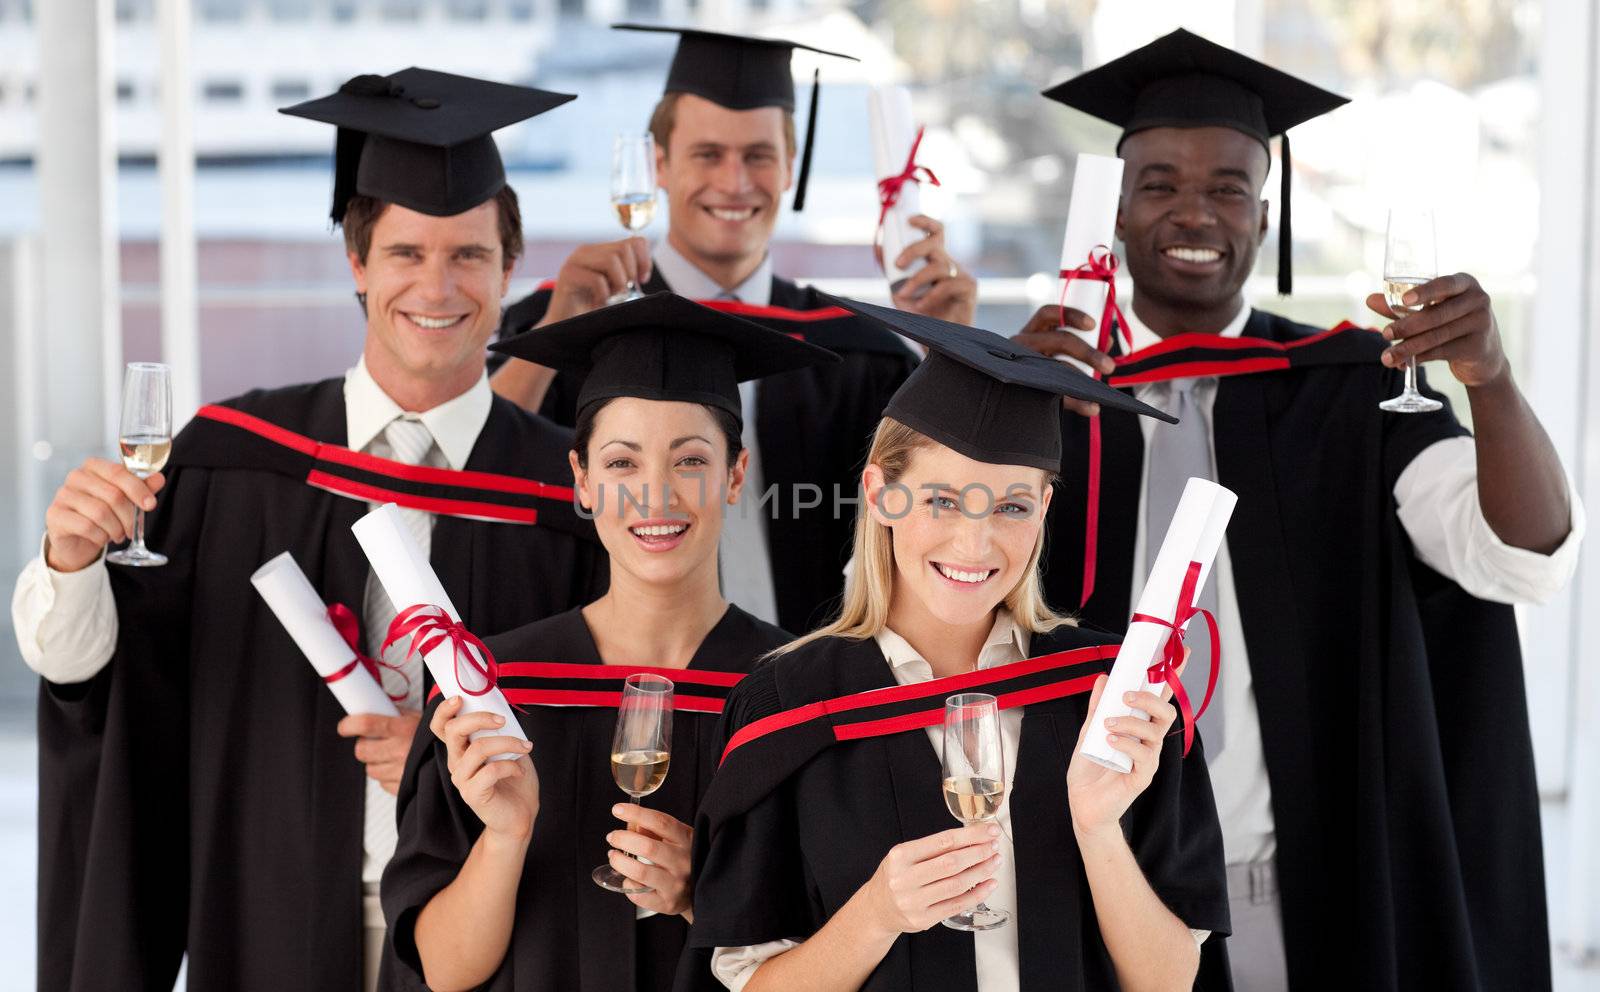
point(686, 278)
point(1144, 337)
point(1007, 642)
point(455, 424)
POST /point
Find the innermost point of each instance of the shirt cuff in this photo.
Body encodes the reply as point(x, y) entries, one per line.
point(65, 622)
point(735, 966)
point(1437, 501)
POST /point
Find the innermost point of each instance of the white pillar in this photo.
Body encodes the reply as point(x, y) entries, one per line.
point(1562, 638)
point(80, 324)
point(180, 309)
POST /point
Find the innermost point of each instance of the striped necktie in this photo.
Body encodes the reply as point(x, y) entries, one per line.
point(406, 439)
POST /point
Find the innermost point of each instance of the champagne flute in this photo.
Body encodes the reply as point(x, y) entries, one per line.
point(145, 438)
point(633, 186)
point(974, 781)
point(641, 750)
point(1409, 260)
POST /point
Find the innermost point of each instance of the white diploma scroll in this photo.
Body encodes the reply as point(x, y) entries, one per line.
point(409, 580)
point(893, 130)
point(1194, 535)
point(297, 606)
point(1091, 222)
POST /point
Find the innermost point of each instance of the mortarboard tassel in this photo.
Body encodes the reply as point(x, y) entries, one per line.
point(811, 133)
point(346, 161)
point(1285, 238)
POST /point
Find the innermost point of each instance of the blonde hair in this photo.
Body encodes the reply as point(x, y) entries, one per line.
point(867, 593)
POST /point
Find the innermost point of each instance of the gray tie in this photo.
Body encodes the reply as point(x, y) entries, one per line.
point(408, 440)
point(746, 562)
point(1177, 453)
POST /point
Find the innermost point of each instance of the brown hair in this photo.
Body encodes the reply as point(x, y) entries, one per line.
point(665, 117)
point(362, 214)
point(868, 590)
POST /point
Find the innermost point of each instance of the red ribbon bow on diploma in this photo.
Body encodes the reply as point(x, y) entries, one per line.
point(431, 627)
point(1166, 669)
point(1101, 266)
point(349, 628)
point(889, 189)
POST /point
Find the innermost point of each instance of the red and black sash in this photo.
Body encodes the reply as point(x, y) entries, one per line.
point(1188, 355)
point(551, 683)
point(831, 327)
point(1185, 355)
point(223, 437)
point(764, 753)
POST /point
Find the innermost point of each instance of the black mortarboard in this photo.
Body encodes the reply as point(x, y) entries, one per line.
point(420, 138)
point(742, 73)
point(663, 347)
point(985, 397)
point(1183, 80)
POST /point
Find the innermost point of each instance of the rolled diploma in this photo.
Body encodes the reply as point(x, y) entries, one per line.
point(1195, 534)
point(409, 580)
point(297, 606)
point(893, 130)
point(1091, 221)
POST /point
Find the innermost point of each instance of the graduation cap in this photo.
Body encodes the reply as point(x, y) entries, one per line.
point(742, 73)
point(663, 347)
point(1183, 80)
point(421, 138)
point(985, 397)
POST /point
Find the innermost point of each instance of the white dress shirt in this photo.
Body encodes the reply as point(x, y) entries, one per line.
point(745, 558)
point(66, 622)
point(1437, 498)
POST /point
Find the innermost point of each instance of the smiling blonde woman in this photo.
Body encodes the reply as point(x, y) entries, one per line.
point(825, 856)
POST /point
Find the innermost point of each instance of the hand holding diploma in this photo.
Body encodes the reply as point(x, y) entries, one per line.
point(382, 743)
point(505, 792)
point(1075, 330)
point(457, 665)
point(1152, 645)
point(1099, 794)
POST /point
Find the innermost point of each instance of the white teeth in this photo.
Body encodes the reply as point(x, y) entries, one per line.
point(432, 323)
point(660, 530)
point(743, 213)
point(958, 576)
point(1193, 254)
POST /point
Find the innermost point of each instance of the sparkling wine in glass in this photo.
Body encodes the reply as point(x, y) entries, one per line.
point(633, 185)
point(641, 751)
point(974, 781)
point(1409, 260)
point(145, 439)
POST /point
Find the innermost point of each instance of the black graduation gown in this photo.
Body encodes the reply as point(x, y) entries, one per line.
point(194, 795)
point(1392, 704)
point(814, 427)
point(570, 934)
point(785, 864)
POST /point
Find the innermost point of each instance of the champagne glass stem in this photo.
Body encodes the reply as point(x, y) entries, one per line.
point(138, 547)
point(1411, 374)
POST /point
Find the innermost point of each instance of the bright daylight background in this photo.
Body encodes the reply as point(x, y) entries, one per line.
point(1485, 107)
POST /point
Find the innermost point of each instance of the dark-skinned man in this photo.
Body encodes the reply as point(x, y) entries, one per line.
point(725, 155)
point(198, 794)
point(1382, 827)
